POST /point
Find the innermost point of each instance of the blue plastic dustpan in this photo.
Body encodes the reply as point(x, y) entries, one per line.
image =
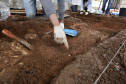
point(70, 32)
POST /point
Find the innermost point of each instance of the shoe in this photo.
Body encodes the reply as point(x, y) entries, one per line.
point(86, 13)
point(98, 12)
point(103, 14)
point(107, 15)
point(81, 12)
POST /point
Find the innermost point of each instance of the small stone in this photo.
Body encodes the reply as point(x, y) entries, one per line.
point(123, 73)
point(104, 55)
point(31, 36)
point(117, 67)
point(21, 63)
point(15, 56)
point(69, 55)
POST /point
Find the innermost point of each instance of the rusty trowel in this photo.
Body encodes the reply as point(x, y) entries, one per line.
point(11, 35)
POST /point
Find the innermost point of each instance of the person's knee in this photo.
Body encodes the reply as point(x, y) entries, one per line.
point(31, 15)
point(30, 8)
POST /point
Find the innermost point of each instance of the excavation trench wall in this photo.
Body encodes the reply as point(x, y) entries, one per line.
point(86, 68)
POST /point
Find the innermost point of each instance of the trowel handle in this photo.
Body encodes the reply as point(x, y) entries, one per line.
point(9, 34)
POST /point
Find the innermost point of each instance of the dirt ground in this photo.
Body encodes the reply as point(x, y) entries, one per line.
point(19, 65)
point(86, 68)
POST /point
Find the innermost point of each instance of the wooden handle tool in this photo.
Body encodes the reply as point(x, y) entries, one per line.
point(11, 35)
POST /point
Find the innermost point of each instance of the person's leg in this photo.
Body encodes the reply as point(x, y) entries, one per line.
point(30, 8)
point(104, 5)
point(61, 10)
point(81, 6)
point(44, 12)
point(85, 9)
point(109, 6)
point(49, 9)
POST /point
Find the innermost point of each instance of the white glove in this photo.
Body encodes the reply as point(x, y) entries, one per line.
point(86, 13)
point(62, 25)
point(59, 36)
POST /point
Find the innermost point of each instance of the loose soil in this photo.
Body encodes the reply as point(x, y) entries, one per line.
point(19, 65)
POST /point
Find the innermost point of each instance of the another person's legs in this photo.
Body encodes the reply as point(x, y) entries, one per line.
point(30, 8)
point(109, 6)
point(104, 5)
point(82, 6)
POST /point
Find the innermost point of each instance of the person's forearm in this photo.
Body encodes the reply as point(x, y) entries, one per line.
point(54, 20)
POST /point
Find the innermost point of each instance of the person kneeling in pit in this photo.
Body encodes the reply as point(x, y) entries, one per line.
point(49, 8)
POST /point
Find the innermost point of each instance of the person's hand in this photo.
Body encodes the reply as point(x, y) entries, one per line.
point(59, 36)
